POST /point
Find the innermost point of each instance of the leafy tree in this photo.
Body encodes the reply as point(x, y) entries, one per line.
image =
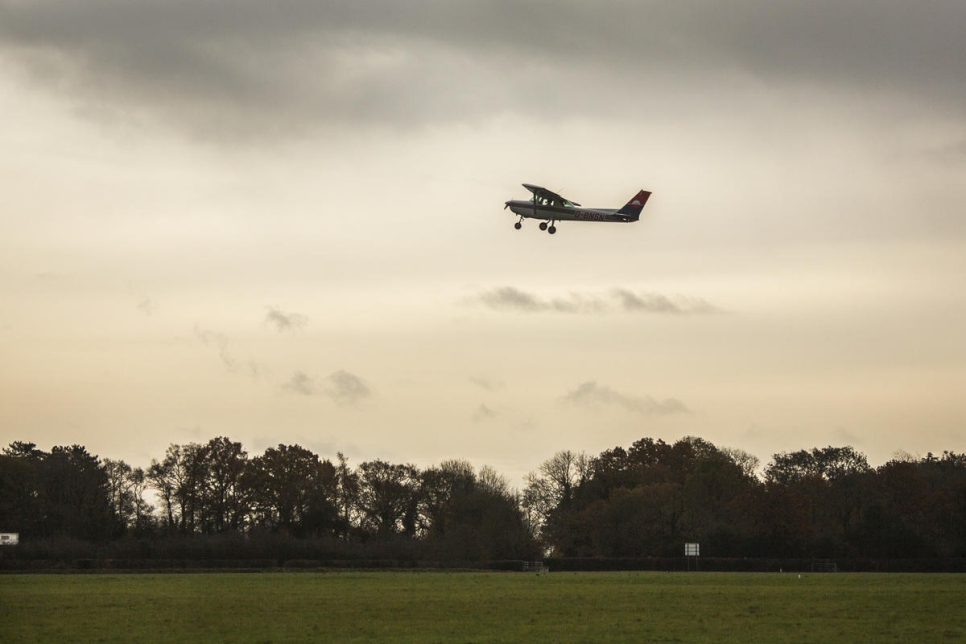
point(294, 491)
point(438, 486)
point(21, 506)
point(830, 484)
point(74, 492)
point(470, 516)
point(389, 498)
point(224, 498)
point(828, 464)
point(643, 500)
point(649, 499)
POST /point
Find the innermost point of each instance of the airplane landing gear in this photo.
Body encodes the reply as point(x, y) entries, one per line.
point(543, 225)
point(552, 230)
point(518, 225)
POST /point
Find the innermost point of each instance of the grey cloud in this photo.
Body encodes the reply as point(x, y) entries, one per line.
point(144, 302)
point(256, 371)
point(488, 384)
point(845, 437)
point(147, 306)
point(223, 68)
point(508, 298)
point(594, 396)
point(285, 321)
point(301, 384)
point(483, 413)
point(220, 342)
point(953, 154)
point(346, 388)
point(657, 303)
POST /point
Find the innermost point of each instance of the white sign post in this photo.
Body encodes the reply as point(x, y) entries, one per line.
point(692, 550)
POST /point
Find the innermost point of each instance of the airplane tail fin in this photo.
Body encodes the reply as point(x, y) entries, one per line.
point(632, 208)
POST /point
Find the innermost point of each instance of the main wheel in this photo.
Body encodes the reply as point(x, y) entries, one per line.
point(543, 225)
point(552, 230)
point(518, 225)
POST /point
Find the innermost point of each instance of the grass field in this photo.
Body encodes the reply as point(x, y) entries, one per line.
point(482, 607)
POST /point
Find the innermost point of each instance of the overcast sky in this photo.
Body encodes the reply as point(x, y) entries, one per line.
point(283, 223)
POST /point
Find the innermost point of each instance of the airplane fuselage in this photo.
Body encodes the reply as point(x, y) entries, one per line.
point(551, 207)
point(531, 210)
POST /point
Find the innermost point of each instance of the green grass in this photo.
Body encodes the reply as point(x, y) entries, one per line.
point(482, 607)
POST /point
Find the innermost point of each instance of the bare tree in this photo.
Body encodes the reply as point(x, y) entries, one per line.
point(119, 491)
point(747, 461)
point(552, 484)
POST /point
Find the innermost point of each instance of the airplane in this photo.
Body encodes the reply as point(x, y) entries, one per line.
point(551, 207)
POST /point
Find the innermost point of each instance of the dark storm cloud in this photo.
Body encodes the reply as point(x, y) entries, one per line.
point(293, 65)
point(508, 298)
point(283, 321)
point(594, 396)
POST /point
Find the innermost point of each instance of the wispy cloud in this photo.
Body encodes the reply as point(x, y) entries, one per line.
point(483, 413)
point(657, 303)
point(256, 370)
point(143, 301)
point(952, 153)
point(220, 342)
point(593, 396)
point(146, 305)
point(283, 321)
point(344, 388)
point(508, 298)
point(300, 384)
point(488, 384)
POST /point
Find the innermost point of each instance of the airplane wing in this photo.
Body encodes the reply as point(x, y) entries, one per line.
point(543, 193)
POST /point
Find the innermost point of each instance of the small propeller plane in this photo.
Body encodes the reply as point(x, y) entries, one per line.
point(551, 207)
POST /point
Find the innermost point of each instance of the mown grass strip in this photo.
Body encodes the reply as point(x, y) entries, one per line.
point(482, 607)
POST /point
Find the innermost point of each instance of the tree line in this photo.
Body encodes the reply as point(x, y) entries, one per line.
point(645, 500)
